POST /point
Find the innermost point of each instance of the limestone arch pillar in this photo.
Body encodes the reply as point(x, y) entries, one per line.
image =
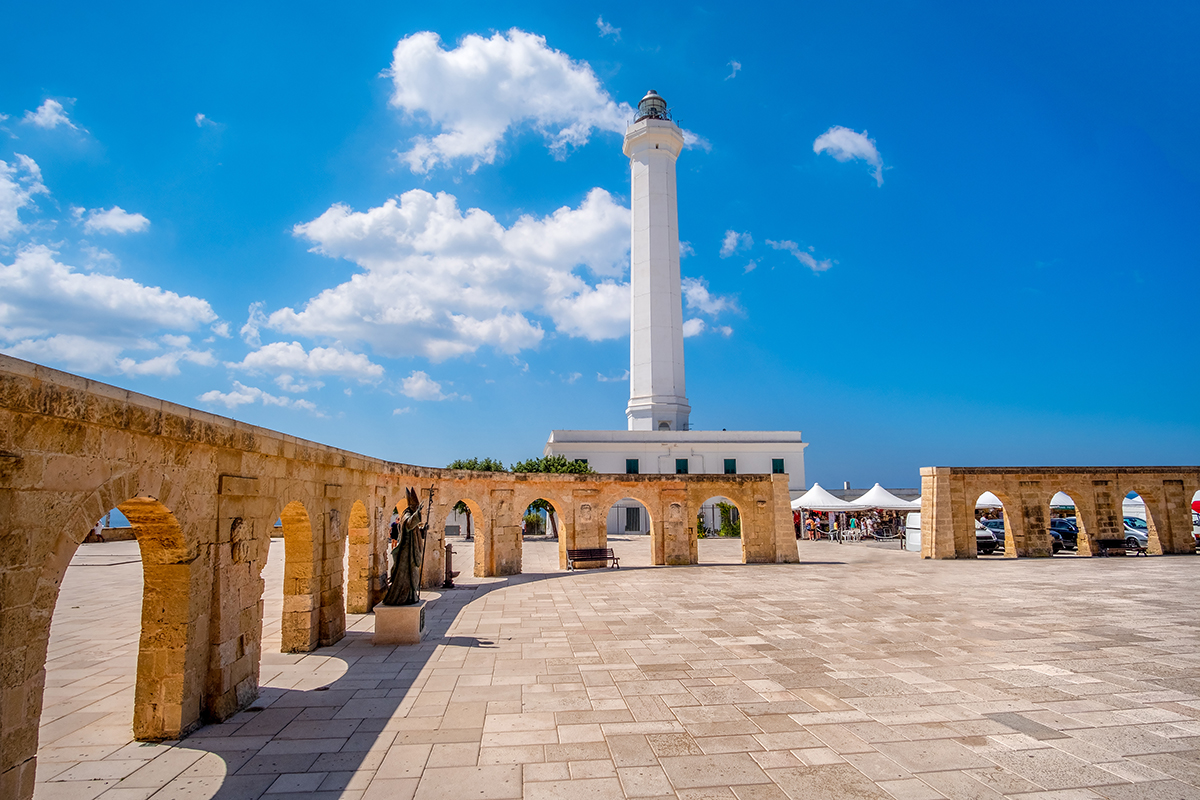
point(359, 542)
point(235, 641)
point(301, 584)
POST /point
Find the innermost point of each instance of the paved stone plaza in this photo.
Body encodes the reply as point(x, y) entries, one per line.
point(862, 672)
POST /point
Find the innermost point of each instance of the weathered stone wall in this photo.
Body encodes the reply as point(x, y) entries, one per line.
point(202, 493)
point(948, 496)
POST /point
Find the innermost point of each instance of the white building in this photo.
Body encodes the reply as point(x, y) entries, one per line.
point(659, 439)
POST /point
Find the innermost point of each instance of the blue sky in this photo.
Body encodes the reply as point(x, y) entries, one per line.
point(921, 234)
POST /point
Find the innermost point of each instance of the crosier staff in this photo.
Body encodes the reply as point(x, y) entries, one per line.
point(424, 534)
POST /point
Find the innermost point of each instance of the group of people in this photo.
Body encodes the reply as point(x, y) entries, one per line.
point(856, 525)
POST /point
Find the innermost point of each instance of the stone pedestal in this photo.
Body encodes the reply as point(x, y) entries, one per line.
point(402, 624)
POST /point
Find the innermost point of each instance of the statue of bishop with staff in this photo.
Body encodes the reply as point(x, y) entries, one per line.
point(408, 556)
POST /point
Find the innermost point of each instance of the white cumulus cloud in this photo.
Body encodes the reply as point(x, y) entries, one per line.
point(693, 327)
point(697, 296)
point(289, 384)
point(18, 184)
point(735, 241)
point(805, 257)
point(291, 357)
point(419, 386)
point(483, 88)
point(52, 313)
point(42, 296)
point(594, 312)
point(242, 395)
point(845, 144)
point(735, 67)
point(438, 282)
point(695, 140)
point(48, 116)
point(114, 220)
point(104, 355)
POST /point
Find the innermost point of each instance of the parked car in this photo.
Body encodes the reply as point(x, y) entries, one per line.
point(997, 528)
point(985, 540)
point(1068, 532)
point(1137, 534)
point(1056, 542)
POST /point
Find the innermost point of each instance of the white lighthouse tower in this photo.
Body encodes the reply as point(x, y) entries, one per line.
point(657, 399)
point(660, 439)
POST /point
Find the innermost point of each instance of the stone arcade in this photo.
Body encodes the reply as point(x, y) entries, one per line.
point(948, 496)
point(202, 493)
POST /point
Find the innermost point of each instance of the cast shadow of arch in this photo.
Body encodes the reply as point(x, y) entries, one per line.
point(344, 725)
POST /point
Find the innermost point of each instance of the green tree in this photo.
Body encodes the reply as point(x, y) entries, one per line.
point(478, 464)
point(553, 464)
point(729, 525)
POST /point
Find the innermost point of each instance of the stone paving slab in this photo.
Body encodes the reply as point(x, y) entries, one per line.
point(863, 672)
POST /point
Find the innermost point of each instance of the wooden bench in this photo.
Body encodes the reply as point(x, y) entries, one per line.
point(1104, 546)
point(592, 554)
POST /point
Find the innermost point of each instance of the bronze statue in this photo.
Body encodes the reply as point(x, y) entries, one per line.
point(408, 556)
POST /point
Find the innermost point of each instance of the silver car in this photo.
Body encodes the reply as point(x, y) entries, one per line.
point(1137, 534)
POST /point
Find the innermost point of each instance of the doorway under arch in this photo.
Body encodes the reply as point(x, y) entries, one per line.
point(991, 513)
point(466, 523)
point(165, 686)
point(718, 525)
point(541, 535)
point(1067, 523)
point(1138, 522)
point(632, 532)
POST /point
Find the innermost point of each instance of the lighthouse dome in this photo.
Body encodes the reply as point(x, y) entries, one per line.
point(652, 106)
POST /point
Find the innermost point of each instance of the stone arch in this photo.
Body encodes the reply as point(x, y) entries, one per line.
point(173, 643)
point(714, 521)
point(300, 629)
point(1014, 529)
point(650, 498)
point(1082, 544)
point(1158, 533)
point(562, 507)
point(480, 527)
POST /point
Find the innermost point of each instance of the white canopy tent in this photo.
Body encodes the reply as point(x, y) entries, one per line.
point(817, 499)
point(879, 497)
point(988, 500)
point(1134, 507)
point(1061, 500)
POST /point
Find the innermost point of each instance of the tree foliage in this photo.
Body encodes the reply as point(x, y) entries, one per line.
point(553, 464)
point(478, 464)
point(731, 524)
